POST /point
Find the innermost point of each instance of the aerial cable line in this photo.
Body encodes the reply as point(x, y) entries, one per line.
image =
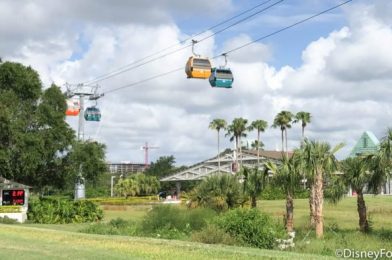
point(181, 42)
point(235, 49)
point(137, 63)
point(145, 80)
point(285, 28)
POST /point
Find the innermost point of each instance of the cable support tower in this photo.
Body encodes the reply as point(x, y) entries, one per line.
point(82, 91)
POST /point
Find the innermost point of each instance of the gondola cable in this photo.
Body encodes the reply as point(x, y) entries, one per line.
point(237, 48)
point(137, 64)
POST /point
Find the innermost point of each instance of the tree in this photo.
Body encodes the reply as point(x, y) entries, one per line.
point(137, 185)
point(256, 145)
point(148, 185)
point(381, 163)
point(287, 175)
point(283, 120)
point(254, 180)
point(219, 192)
point(236, 130)
point(164, 166)
point(259, 126)
point(87, 158)
point(318, 160)
point(304, 118)
point(218, 124)
point(357, 175)
point(34, 135)
point(126, 187)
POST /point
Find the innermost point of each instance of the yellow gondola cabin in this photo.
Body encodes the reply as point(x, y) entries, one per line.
point(198, 68)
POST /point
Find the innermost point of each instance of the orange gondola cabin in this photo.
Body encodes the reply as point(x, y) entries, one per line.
point(198, 67)
point(73, 107)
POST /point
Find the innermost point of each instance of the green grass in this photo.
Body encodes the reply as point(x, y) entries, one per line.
point(341, 231)
point(344, 213)
point(136, 212)
point(21, 242)
point(341, 224)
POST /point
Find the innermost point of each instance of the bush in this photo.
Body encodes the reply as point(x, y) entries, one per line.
point(276, 193)
point(59, 211)
point(250, 227)
point(7, 220)
point(219, 192)
point(116, 226)
point(212, 234)
point(171, 221)
point(139, 184)
point(122, 201)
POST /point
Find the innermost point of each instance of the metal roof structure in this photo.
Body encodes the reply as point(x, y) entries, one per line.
point(209, 167)
point(367, 144)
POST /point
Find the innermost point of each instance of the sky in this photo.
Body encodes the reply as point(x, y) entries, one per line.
point(337, 67)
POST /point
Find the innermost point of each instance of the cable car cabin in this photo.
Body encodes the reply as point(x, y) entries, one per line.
point(221, 78)
point(73, 107)
point(198, 68)
point(92, 114)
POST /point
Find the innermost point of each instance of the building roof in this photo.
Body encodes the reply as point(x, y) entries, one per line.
point(209, 167)
point(366, 144)
point(277, 155)
point(8, 184)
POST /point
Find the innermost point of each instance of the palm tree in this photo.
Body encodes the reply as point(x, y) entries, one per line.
point(237, 130)
point(259, 126)
point(287, 176)
point(255, 144)
point(283, 121)
point(357, 175)
point(219, 192)
point(218, 124)
point(318, 160)
point(304, 118)
point(381, 163)
point(254, 180)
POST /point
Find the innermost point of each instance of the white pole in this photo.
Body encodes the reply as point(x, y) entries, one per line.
point(81, 119)
point(111, 186)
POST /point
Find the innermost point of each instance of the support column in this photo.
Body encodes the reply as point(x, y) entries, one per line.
point(81, 119)
point(178, 188)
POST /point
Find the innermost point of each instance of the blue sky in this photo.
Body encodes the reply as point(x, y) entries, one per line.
point(287, 46)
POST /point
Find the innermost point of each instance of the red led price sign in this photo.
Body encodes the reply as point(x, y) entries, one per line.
point(13, 197)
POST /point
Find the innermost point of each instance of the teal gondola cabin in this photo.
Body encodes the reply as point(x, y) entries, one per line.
point(221, 78)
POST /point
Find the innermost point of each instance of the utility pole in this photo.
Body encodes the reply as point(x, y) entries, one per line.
point(146, 148)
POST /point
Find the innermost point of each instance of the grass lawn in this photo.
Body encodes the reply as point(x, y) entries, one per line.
point(20, 242)
point(341, 231)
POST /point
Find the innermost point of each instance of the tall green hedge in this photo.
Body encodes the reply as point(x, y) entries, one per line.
point(60, 211)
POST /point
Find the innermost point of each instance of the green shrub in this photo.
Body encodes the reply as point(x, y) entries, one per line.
point(166, 219)
point(116, 226)
point(218, 192)
point(125, 201)
point(276, 193)
point(10, 209)
point(7, 220)
point(59, 211)
point(250, 227)
point(212, 234)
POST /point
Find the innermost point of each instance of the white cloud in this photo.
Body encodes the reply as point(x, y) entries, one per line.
point(343, 79)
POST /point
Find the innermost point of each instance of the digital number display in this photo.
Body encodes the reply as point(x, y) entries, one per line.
point(13, 197)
